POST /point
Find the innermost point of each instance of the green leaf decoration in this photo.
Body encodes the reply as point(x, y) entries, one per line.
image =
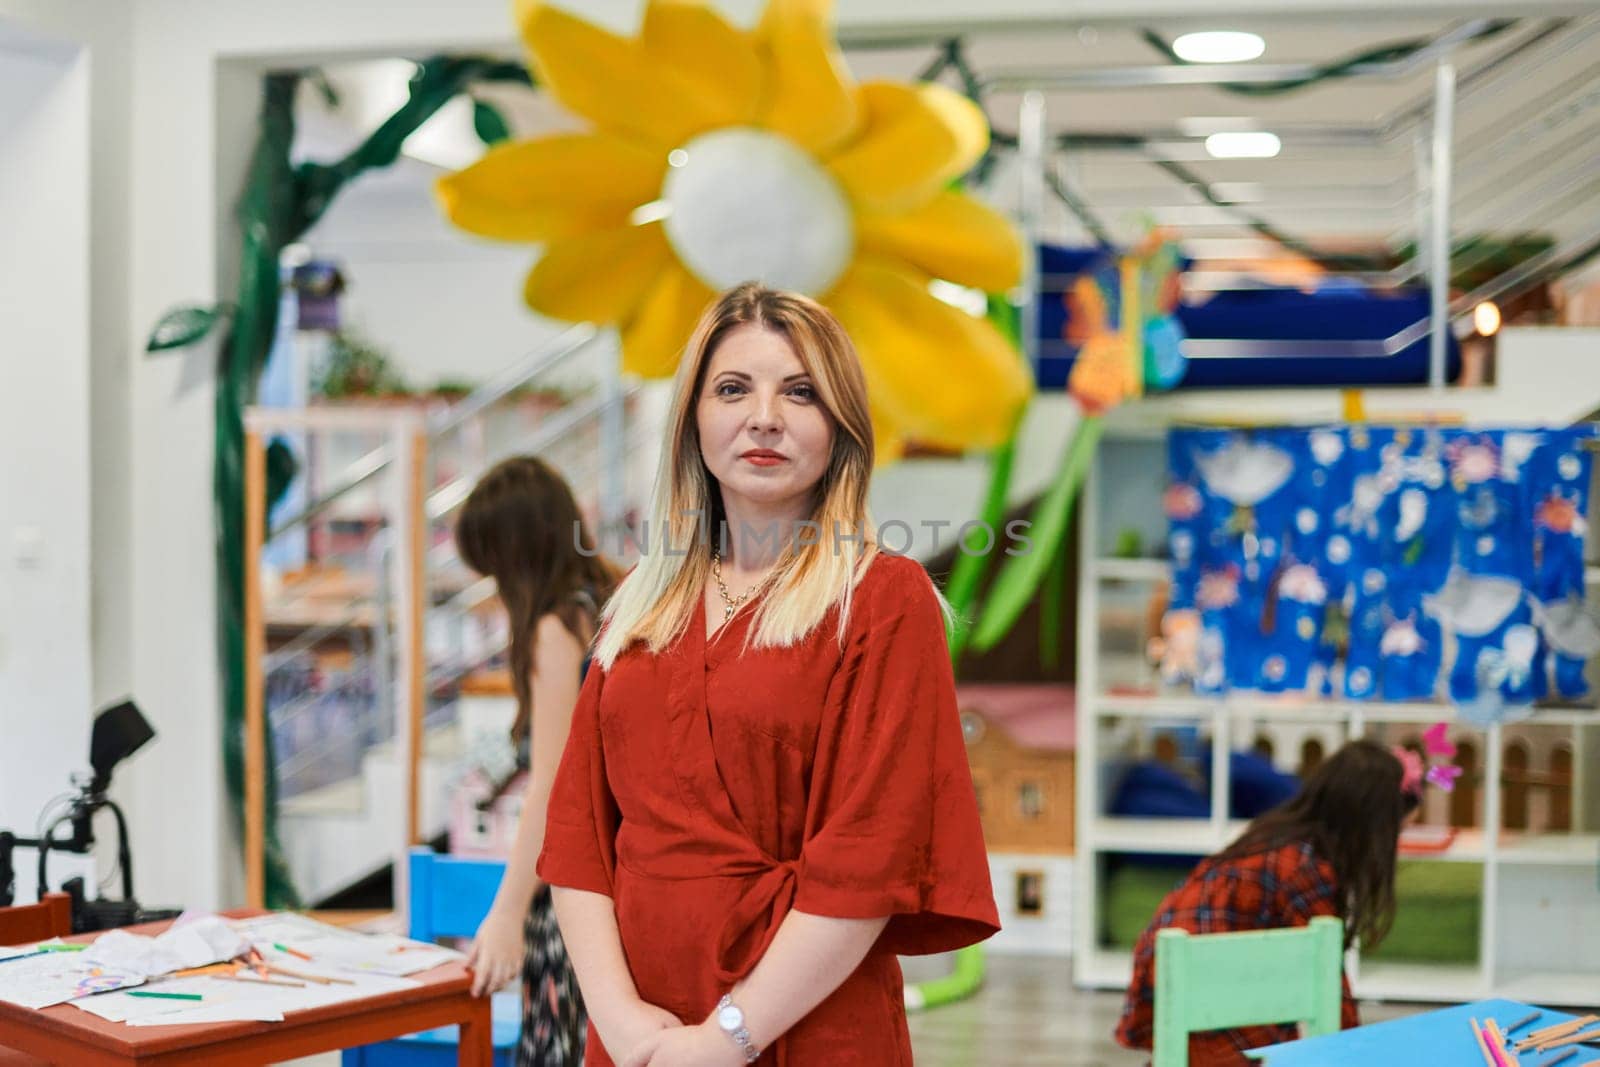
point(1019, 578)
point(1052, 608)
point(183, 326)
point(490, 125)
point(961, 588)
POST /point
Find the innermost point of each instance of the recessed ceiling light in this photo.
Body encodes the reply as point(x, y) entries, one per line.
point(1256, 144)
point(1218, 46)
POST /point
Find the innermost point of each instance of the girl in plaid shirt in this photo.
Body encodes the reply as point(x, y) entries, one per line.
point(1328, 851)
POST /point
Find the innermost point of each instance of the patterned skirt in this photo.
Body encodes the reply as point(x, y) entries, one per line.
point(553, 1021)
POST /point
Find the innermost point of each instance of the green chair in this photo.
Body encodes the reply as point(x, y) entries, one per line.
point(1251, 978)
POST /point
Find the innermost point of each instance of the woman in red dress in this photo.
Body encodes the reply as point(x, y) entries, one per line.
point(765, 796)
point(1330, 850)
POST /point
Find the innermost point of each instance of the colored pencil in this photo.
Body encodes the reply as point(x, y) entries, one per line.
point(1563, 1028)
point(1553, 1060)
point(1570, 1039)
point(24, 956)
point(258, 981)
point(1549, 1033)
point(1532, 1016)
point(293, 952)
point(1497, 1044)
point(317, 978)
point(1483, 1046)
point(164, 996)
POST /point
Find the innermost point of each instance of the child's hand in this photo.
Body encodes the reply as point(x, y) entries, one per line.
point(496, 954)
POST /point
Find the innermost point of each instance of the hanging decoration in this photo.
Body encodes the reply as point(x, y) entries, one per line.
point(1390, 563)
point(1120, 317)
point(716, 155)
point(1128, 342)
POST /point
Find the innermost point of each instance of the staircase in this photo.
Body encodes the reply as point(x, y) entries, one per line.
point(337, 641)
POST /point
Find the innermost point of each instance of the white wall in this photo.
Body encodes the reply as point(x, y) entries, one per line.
point(64, 410)
point(44, 416)
point(441, 303)
point(99, 31)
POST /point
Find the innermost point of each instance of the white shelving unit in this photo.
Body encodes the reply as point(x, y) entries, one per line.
point(1549, 882)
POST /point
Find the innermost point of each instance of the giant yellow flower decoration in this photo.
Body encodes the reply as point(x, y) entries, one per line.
point(719, 155)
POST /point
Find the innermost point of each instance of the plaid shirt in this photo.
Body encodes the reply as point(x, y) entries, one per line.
point(1285, 886)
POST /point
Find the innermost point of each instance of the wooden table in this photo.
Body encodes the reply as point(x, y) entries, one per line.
point(64, 1035)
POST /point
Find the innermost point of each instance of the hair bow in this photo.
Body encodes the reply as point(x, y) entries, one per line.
point(1416, 770)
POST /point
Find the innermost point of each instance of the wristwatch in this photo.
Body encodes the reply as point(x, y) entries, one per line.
point(731, 1019)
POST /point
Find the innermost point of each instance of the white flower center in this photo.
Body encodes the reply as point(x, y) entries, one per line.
point(747, 205)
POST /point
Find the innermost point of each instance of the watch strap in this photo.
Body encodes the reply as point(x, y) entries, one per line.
point(739, 1034)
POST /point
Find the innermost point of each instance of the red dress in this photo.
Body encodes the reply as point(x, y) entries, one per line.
point(708, 791)
point(1284, 886)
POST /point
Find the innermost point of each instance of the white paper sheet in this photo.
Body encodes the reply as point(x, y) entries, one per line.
point(223, 1002)
point(193, 941)
point(54, 977)
point(349, 951)
point(228, 1001)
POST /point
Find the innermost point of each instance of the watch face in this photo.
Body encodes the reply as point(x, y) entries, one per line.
point(730, 1018)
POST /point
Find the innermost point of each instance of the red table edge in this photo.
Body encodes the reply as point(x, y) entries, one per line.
point(64, 1022)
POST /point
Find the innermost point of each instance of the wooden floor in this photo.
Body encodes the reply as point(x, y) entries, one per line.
point(1027, 1015)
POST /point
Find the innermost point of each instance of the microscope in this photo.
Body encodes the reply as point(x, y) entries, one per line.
point(119, 731)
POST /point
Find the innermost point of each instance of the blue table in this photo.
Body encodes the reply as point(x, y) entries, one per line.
point(1441, 1037)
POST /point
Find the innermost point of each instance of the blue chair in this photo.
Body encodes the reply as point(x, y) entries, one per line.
point(450, 895)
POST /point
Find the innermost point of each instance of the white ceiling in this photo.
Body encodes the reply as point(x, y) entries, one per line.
point(1526, 156)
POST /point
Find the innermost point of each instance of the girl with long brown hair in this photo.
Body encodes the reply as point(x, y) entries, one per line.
point(1329, 850)
point(521, 527)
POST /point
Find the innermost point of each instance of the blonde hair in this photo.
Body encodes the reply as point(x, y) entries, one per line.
point(656, 601)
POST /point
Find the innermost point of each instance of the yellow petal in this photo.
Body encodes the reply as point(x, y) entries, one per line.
point(611, 81)
point(713, 60)
point(811, 98)
point(888, 443)
point(936, 372)
point(914, 140)
point(953, 237)
point(551, 187)
point(653, 342)
point(597, 277)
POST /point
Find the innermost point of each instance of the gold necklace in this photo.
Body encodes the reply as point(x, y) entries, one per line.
point(731, 604)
